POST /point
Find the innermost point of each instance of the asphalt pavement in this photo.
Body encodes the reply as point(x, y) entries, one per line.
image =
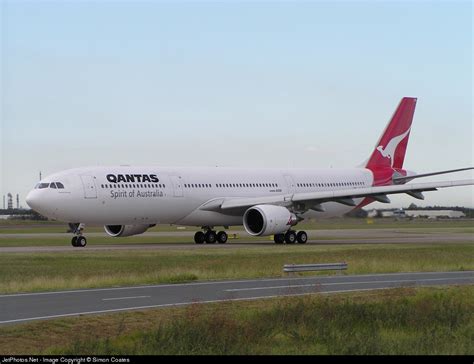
point(17, 308)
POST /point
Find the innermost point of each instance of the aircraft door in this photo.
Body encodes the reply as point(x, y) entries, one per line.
point(177, 186)
point(88, 183)
point(290, 183)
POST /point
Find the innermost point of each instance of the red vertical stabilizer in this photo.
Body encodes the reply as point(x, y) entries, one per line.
point(389, 151)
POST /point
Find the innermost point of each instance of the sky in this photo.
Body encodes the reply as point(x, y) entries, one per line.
point(233, 83)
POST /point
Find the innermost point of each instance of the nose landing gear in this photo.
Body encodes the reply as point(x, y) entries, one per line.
point(79, 241)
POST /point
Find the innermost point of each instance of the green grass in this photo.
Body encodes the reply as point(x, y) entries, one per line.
point(24, 272)
point(417, 321)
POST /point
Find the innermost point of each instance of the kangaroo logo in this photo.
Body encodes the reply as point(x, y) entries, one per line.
point(389, 150)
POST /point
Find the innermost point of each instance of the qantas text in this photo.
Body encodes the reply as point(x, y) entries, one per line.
point(134, 178)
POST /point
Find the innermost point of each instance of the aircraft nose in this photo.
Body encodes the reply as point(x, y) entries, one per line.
point(33, 199)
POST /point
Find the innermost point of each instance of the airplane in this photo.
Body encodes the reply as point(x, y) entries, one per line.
point(129, 200)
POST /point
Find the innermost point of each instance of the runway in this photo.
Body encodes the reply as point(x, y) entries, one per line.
point(17, 308)
point(316, 237)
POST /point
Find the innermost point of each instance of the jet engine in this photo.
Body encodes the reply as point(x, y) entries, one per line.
point(268, 220)
point(126, 230)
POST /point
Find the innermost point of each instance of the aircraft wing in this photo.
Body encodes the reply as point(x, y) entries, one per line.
point(312, 200)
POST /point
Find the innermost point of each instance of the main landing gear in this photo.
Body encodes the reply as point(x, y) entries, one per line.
point(210, 237)
point(291, 237)
point(79, 240)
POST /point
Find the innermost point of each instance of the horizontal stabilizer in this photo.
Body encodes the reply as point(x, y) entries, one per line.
point(401, 179)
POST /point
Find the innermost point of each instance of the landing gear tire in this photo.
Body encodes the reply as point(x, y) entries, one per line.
point(199, 237)
point(81, 241)
point(211, 237)
point(302, 237)
point(279, 238)
point(222, 237)
point(290, 237)
point(74, 241)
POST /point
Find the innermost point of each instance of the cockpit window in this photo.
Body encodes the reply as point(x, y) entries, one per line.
point(59, 185)
point(43, 185)
point(52, 185)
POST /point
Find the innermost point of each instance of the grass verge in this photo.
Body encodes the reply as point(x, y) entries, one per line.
point(26, 272)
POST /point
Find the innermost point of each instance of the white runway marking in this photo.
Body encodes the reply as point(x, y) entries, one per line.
point(339, 283)
point(124, 298)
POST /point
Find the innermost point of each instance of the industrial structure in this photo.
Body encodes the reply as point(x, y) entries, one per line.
point(429, 214)
point(10, 201)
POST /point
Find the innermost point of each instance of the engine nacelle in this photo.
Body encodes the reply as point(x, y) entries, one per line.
point(268, 220)
point(126, 230)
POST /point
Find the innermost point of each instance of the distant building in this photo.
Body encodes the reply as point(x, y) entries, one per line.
point(430, 214)
point(433, 214)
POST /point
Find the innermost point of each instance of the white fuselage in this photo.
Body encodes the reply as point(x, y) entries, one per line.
point(99, 196)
